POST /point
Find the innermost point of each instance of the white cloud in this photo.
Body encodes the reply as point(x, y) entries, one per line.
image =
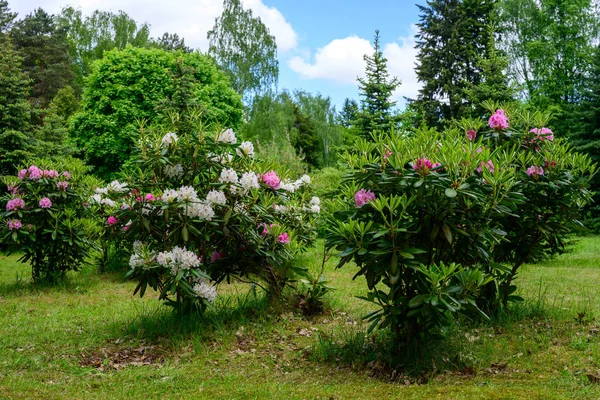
point(341, 61)
point(191, 19)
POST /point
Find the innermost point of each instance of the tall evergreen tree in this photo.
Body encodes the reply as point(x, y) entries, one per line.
point(45, 54)
point(15, 111)
point(453, 36)
point(243, 46)
point(6, 17)
point(376, 90)
point(347, 116)
point(586, 135)
point(494, 84)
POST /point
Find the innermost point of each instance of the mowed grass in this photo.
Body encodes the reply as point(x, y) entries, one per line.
point(90, 338)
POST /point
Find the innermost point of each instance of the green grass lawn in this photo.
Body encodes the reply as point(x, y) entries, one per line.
point(90, 338)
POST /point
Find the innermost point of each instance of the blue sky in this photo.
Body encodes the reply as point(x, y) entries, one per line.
point(320, 43)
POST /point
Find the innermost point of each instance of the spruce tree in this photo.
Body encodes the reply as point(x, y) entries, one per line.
point(347, 116)
point(376, 90)
point(453, 36)
point(45, 54)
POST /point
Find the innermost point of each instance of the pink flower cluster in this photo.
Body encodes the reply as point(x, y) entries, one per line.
point(45, 202)
point(543, 134)
point(34, 173)
point(111, 220)
point(266, 231)
point(283, 238)
point(489, 165)
point(150, 197)
point(534, 171)
point(15, 204)
point(424, 165)
point(271, 179)
point(50, 174)
point(387, 154)
point(499, 120)
point(14, 224)
point(217, 255)
point(471, 135)
point(362, 197)
point(62, 185)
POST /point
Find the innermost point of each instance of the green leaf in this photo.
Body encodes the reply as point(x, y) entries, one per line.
point(450, 192)
point(447, 233)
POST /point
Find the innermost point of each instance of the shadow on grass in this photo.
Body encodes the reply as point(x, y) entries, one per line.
point(161, 324)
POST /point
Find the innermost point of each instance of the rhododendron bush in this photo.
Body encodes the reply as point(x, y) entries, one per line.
point(43, 219)
point(439, 223)
point(198, 209)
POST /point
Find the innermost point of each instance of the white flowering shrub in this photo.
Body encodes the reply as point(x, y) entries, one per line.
point(199, 209)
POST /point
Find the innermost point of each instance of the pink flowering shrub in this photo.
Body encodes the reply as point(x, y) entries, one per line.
point(208, 196)
point(43, 219)
point(431, 245)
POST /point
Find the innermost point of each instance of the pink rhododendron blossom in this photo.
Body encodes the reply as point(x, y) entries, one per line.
point(499, 120)
point(15, 204)
point(387, 154)
point(12, 189)
point(67, 175)
point(489, 165)
point(283, 238)
point(14, 224)
point(543, 134)
point(216, 255)
point(435, 165)
point(471, 134)
point(111, 220)
point(266, 227)
point(549, 164)
point(51, 174)
point(271, 179)
point(534, 171)
point(35, 173)
point(150, 197)
point(423, 165)
point(45, 202)
point(22, 174)
point(363, 196)
point(62, 185)
point(479, 150)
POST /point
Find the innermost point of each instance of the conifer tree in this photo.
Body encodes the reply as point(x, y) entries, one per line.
point(348, 113)
point(375, 89)
point(453, 36)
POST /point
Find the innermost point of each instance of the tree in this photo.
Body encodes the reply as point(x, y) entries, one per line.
point(91, 36)
point(586, 136)
point(453, 35)
point(494, 83)
point(376, 91)
point(133, 85)
point(170, 41)
point(347, 116)
point(15, 110)
point(45, 54)
point(6, 17)
point(243, 46)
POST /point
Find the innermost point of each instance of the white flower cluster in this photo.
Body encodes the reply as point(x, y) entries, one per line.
point(227, 136)
point(169, 139)
point(170, 195)
point(216, 197)
point(117, 187)
point(114, 187)
point(178, 259)
point(206, 291)
point(223, 158)
point(249, 181)
point(140, 257)
point(228, 175)
point(315, 205)
point(291, 187)
point(200, 210)
point(105, 201)
point(186, 193)
point(174, 171)
point(246, 149)
point(281, 209)
point(194, 207)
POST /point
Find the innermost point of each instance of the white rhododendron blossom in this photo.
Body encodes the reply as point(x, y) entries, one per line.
point(288, 186)
point(96, 199)
point(178, 259)
point(101, 190)
point(246, 149)
point(216, 197)
point(249, 181)
point(315, 209)
point(137, 245)
point(228, 175)
point(220, 158)
point(136, 261)
point(305, 179)
point(169, 139)
point(117, 187)
point(227, 136)
point(186, 193)
point(170, 195)
point(174, 171)
point(281, 209)
point(315, 201)
point(108, 202)
point(206, 291)
point(200, 210)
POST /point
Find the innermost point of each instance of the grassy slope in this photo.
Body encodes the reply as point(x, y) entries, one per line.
point(90, 338)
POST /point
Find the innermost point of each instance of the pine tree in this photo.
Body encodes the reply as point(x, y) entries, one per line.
point(6, 17)
point(45, 54)
point(586, 135)
point(494, 83)
point(376, 90)
point(347, 116)
point(15, 111)
point(453, 36)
